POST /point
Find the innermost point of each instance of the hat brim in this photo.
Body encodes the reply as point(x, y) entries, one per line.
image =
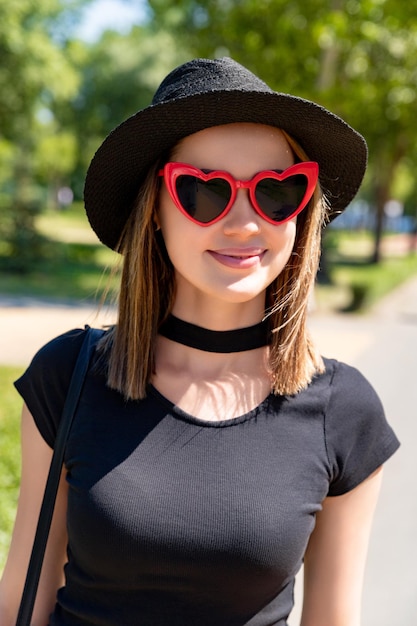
point(119, 166)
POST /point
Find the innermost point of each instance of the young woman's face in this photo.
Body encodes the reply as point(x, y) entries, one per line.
point(236, 258)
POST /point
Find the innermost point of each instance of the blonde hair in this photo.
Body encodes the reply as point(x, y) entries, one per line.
point(147, 292)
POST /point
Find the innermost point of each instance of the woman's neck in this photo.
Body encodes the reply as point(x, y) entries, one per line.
point(196, 365)
point(217, 315)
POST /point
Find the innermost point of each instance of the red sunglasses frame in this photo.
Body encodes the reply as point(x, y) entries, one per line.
point(172, 170)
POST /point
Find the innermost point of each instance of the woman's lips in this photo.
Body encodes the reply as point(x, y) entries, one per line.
point(240, 259)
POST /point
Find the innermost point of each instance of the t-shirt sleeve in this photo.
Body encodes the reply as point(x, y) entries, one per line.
point(44, 385)
point(358, 436)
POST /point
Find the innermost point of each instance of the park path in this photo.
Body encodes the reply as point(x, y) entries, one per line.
point(26, 324)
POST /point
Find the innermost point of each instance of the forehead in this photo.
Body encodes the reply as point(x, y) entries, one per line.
point(244, 147)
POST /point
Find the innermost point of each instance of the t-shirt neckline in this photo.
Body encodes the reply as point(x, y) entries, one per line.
point(187, 417)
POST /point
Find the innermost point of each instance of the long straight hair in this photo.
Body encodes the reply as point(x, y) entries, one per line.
point(147, 292)
point(293, 357)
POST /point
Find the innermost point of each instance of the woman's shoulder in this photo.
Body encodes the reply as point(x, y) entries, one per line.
point(44, 384)
point(67, 344)
point(338, 382)
point(358, 435)
point(60, 353)
point(348, 384)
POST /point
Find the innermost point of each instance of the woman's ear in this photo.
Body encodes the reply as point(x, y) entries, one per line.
point(156, 222)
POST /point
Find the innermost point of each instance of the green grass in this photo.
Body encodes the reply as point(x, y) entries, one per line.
point(376, 281)
point(74, 265)
point(67, 225)
point(10, 407)
point(357, 287)
point(75, 272)
point(356, 284)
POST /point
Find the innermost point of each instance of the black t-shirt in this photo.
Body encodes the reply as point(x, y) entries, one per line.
point(176, 521)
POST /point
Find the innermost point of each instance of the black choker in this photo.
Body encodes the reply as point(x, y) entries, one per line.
point(237, 340)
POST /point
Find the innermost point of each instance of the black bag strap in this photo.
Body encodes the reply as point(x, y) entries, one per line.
point(45, 516)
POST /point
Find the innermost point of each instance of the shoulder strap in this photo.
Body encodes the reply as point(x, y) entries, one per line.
point(45, 516)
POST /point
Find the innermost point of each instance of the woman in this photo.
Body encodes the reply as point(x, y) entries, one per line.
point(213, 450)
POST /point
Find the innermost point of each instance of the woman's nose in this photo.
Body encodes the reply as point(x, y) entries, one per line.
point(242, 217)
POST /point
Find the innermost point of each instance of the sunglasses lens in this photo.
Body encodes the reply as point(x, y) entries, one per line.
point(280, 199)
point(203, 201)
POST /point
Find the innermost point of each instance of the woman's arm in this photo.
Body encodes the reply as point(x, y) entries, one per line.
point(334, 563)
point(36, 458)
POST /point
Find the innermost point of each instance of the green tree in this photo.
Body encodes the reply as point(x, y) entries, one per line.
point(356, 57)
point(59, 98)
point(119, 74)
point(35, 73)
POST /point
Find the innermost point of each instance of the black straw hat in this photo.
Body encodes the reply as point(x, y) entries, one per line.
point(204, 93)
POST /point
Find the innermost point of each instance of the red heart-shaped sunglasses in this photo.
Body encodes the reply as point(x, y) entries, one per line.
point(205, 197)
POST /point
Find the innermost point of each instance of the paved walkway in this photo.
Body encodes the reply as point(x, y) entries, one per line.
point(26, 324)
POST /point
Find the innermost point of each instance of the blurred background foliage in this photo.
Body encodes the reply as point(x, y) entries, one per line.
point(60, 96)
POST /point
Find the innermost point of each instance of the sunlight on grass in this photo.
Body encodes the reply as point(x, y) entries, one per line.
point(358, 287)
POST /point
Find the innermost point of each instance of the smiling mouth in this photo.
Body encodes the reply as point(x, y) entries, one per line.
point(239, 254)
point(238, 259)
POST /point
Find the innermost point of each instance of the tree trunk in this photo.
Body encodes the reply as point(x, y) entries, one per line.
point(385, 165)
point(382, 197)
